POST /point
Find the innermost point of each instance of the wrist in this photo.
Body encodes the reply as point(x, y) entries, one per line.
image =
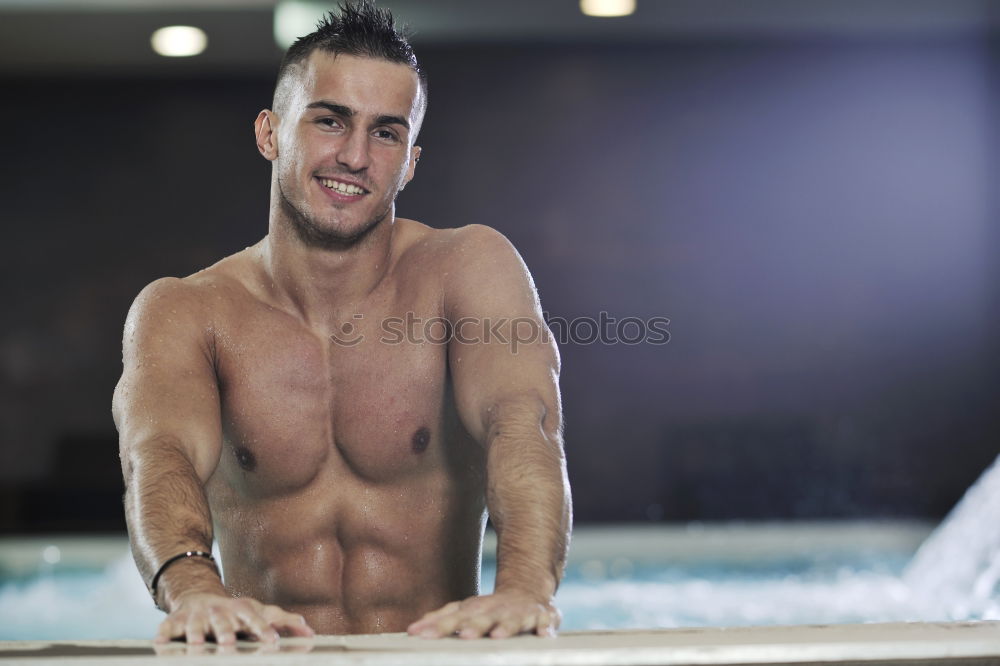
point(542, 591)
point(186, 577)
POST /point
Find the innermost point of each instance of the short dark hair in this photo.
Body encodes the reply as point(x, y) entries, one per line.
point(359, 29)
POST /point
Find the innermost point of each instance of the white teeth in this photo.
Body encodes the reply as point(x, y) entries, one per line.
point(342, 188)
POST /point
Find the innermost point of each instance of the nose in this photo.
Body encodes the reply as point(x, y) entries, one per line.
point(352, 152)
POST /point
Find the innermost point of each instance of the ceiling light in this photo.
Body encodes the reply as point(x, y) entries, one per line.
point(179, 41)
point(607, 7)
point(295, 18)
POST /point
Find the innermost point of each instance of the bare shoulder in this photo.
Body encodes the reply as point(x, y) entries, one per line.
point(469, 263)
point(461, 250)
point(180, 297)
point(482, 242)
point(480, 269)
point(191, 301)
point(480, 256)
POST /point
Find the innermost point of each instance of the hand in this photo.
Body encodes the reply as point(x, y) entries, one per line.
point(497, 615)
point(198, 615)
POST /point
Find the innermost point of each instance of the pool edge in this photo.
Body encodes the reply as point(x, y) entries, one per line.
point(870, 644)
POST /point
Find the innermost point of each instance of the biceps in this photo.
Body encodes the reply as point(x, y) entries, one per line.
point(156, 406)
point(168, 391)
point(493, 385)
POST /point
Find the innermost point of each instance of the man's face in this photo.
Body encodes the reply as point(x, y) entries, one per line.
point(344, 144)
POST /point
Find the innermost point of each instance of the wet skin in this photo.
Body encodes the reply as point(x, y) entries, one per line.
point(269, 401)
point(345, 472)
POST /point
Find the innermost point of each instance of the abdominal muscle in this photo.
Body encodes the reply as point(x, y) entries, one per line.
point(351, 556)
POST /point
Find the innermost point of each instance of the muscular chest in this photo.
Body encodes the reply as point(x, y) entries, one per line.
point(368, 401)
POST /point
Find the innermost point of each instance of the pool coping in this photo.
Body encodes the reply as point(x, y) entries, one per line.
point(869, 644)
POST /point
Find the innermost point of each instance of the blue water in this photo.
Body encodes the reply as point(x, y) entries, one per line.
point(954, 576)
point(65, 604)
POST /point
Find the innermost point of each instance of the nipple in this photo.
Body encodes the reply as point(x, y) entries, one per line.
point(421, 438)
point(245, 458)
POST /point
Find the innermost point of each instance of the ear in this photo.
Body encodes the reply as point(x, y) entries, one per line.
point(414, 158)
point(267, 138)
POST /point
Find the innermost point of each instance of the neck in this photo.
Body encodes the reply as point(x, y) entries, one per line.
point(319, 283)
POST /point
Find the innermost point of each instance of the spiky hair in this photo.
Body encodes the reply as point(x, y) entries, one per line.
point(358, 29)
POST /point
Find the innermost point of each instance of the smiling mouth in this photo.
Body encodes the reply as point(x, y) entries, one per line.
point(347, 189)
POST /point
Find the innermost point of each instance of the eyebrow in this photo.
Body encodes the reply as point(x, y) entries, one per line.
point(348, 112)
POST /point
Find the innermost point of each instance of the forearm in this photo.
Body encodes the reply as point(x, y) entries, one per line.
point(167, 513)
point(528, 497)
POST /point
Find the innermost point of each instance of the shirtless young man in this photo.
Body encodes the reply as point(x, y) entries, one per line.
point(268, 401)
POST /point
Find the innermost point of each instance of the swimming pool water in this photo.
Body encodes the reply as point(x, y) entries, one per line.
point(629, 578)
point(618, 593)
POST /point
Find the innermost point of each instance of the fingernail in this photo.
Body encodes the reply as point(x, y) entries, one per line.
point(428, 633)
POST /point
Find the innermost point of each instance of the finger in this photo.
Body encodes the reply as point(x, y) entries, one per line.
point(223, 628)
point(291, 623)
point(444, 610)
point(476, 626)
point(445, 625)
point(166, 631)
point(430, 619)
point(547, 623)
point(163, 632)
point(195, 629)
point(508, 626)
point(257, 626)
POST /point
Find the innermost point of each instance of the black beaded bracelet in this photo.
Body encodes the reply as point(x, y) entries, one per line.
point(179, 556)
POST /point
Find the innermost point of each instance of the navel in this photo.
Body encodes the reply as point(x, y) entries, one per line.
point(421, 438)
point(245, 458)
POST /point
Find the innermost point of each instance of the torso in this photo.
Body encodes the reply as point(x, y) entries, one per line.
point(347, 489)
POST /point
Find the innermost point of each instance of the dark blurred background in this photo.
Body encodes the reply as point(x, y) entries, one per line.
point(805, 188)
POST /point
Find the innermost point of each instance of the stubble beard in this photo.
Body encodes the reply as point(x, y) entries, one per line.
point(314, 234)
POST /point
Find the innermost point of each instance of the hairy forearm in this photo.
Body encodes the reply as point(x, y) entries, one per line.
point(528, 496)
point(167, 513)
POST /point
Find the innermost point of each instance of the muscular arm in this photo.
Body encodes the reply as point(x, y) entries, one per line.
point(527, 495)
point(166, 408)
point(507, 394)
